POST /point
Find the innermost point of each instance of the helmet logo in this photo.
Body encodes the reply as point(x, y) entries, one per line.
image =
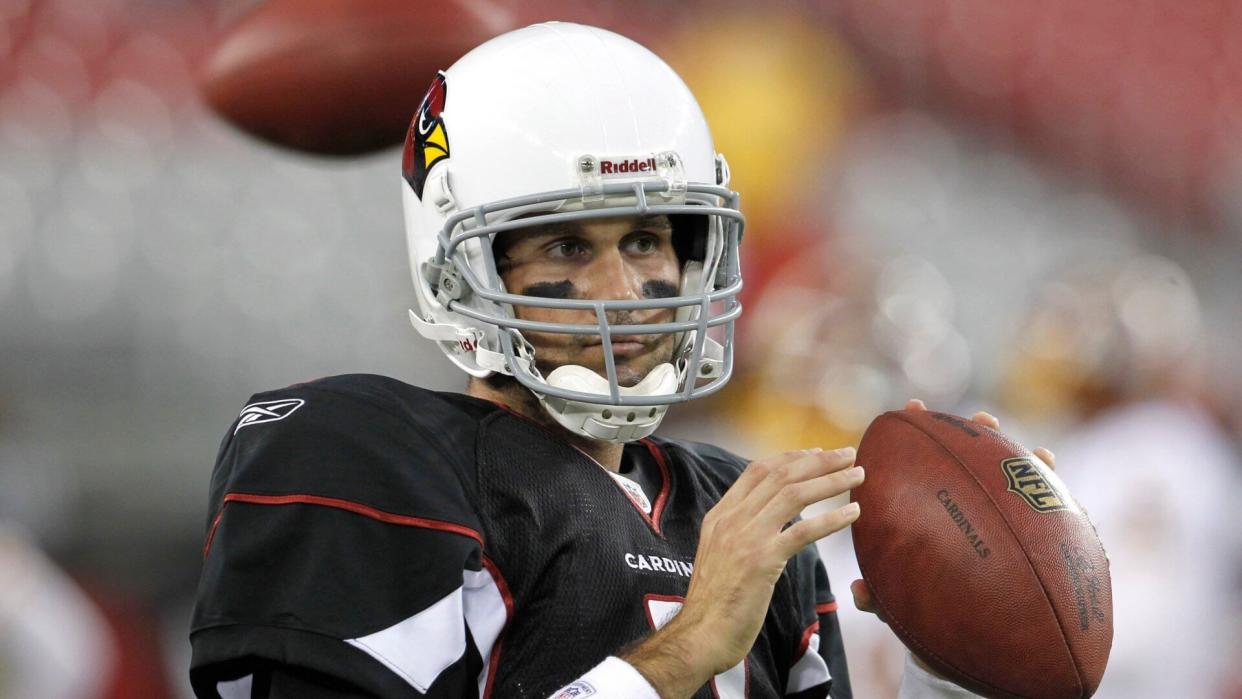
point(626, 166)
point(667, 165)
point(426, 142)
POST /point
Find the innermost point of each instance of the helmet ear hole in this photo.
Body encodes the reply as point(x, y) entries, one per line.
point(689, 237)
point(500, 248)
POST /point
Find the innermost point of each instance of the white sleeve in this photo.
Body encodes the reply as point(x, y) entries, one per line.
point(612, 679)
point(917, 683)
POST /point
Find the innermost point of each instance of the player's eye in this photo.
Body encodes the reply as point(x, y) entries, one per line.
point(567, 249)
point(644, 243)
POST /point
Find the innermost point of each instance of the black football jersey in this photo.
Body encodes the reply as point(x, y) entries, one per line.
point(401, 542)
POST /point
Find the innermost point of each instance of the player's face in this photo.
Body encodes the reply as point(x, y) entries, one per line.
point(623, 258)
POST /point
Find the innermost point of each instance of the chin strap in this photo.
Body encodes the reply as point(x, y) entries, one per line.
point(609, 423)
point(465, 342)
point(464, 338)
point(602, 421)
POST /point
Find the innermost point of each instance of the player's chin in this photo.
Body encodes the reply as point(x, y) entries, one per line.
point(631, 366)
point(628, 376)
point(632, 373)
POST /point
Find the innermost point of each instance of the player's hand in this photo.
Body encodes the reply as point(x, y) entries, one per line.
point(744, 544)
point(863, 599)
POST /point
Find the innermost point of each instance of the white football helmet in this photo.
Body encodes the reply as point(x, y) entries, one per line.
point(564, 122)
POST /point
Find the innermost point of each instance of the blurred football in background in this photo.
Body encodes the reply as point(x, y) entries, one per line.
point(343, 78)
point(980, 560)
point(336, 78)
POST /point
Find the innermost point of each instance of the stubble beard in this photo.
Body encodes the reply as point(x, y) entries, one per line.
point(630, 370)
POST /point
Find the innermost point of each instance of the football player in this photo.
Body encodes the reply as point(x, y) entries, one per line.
point(574, 249)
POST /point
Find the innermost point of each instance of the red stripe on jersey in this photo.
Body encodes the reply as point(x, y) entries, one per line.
point(657, 508)
point(826, 608)
point(806, 639)
point(211, 533)
point(505, 595)
point(347, 505)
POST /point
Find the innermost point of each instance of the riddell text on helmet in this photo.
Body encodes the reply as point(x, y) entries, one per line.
point(626, 167)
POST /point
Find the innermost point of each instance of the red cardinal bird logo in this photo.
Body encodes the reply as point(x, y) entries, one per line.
point(426, 142)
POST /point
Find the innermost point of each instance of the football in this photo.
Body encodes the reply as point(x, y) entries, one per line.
point(980, 560)
point(334, 78)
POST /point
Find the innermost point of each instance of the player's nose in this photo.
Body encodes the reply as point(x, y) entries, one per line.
point(611, 277)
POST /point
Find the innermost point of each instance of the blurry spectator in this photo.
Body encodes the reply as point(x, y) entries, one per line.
point(1104, 332)
point(1160, 480)
point(828, 351)
point(1109, 355)
point(54, 644)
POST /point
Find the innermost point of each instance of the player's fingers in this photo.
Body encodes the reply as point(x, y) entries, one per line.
point(986, 419)
point(862, 597)
point(864, 601)
point(1046, 456)
point(812, 529)
point(756, 471)
point(798, 495)
point(796, 471)
point(915, 404)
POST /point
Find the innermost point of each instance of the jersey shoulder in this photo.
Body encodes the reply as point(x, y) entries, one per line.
point(343, 539)
point(362, 438)
point(716, 461)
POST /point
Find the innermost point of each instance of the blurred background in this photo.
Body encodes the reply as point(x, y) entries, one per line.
point(1029, 208)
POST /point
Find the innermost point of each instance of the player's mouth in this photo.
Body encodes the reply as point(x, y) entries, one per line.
point(626, 345)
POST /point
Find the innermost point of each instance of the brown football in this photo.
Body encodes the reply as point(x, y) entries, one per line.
point(333, 77)
point(343, 77)
point(980, 560)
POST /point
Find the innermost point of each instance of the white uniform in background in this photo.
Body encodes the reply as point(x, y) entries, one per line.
point(54, 644)
point(1160, 481)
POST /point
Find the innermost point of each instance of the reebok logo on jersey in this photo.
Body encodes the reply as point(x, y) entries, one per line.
point(267, 411)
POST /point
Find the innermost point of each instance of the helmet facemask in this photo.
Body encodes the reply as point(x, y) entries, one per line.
point(465, 279)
